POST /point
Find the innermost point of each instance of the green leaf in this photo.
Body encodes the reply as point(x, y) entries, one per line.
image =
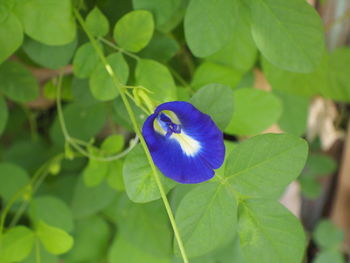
point(115, 175)
point(208, 73)
point(145, 226)
point(207, 211)
point(291, 34)
point(338, 63)
point(91, 239)
point(216, 100)
point(95, 172)
point(168, 14)
point(16, 244)
point(97, 23)
point(82, 120)
point(48, 21)
point(269, 233)
point(3, 114)
point(44, 256)
point(264, 165)
point(52, 57)
point(319, 165)
point(209, 25)
point(240, 52)
point(329, 256)
point(252, 118)
point(113, 144)
point(101, 83)
point(134, 30)
point(157, 78)
point(85, 61)
point(88, 201)
point(139, 179)
point(11, 33)
point(327, 235)
point(161, 48)
point(52, 211)
point(15, 178)
point(295, 112)
point(124, 251)
point(17, 82)
point(55, 240)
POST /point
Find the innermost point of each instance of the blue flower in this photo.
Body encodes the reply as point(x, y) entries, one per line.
point(185, 144)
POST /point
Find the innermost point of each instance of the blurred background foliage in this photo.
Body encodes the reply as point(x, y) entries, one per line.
point(76, 187)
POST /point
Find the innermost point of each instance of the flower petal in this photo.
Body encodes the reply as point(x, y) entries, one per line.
point(191, 155)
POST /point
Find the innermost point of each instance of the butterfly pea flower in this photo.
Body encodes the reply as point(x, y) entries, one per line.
point(185, 144)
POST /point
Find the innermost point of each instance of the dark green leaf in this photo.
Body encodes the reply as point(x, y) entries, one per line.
point(3, 114)
point(216, 100)
point(327, 235)
point(17, 82)
point(52, 57)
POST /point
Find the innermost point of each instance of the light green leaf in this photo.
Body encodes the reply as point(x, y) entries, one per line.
point(55, 240)
point(48, 21)
point(113, 144)
point(208, 73)
point(16, 244)
point(139, 179)
point(134, 30)
point(17, 82)
point(15, 178)
point(264, 165)
point(168, 14)
point(207, 211)
point(52, 57)
point(91, 239)
point(3, 114)
point(124, 251)
point(295, 112)
point(85, 61)
point(145, 226)
point(52, 211)
point(95, 172)
point(209, 25)
point(83, 121)
point(240, 52)
point(115, 175)
point(87, 201)
point(329, 256)
point(288, 33)
point(11, 33)
point(101, 84)
point(97, 23)
point(216, 100)
point(157, 78)
point(269, 233)
point(254, 111)
point(327, 235)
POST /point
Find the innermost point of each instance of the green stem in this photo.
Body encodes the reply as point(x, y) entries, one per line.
point(37, 251)
point(137, 131)
point(112, 45)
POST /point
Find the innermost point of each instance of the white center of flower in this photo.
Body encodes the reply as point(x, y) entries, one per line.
point(168, 125)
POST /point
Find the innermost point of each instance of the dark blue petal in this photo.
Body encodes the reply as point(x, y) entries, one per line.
point(180, 163)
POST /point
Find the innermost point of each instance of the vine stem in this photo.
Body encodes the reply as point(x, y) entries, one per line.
point(120, 87)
